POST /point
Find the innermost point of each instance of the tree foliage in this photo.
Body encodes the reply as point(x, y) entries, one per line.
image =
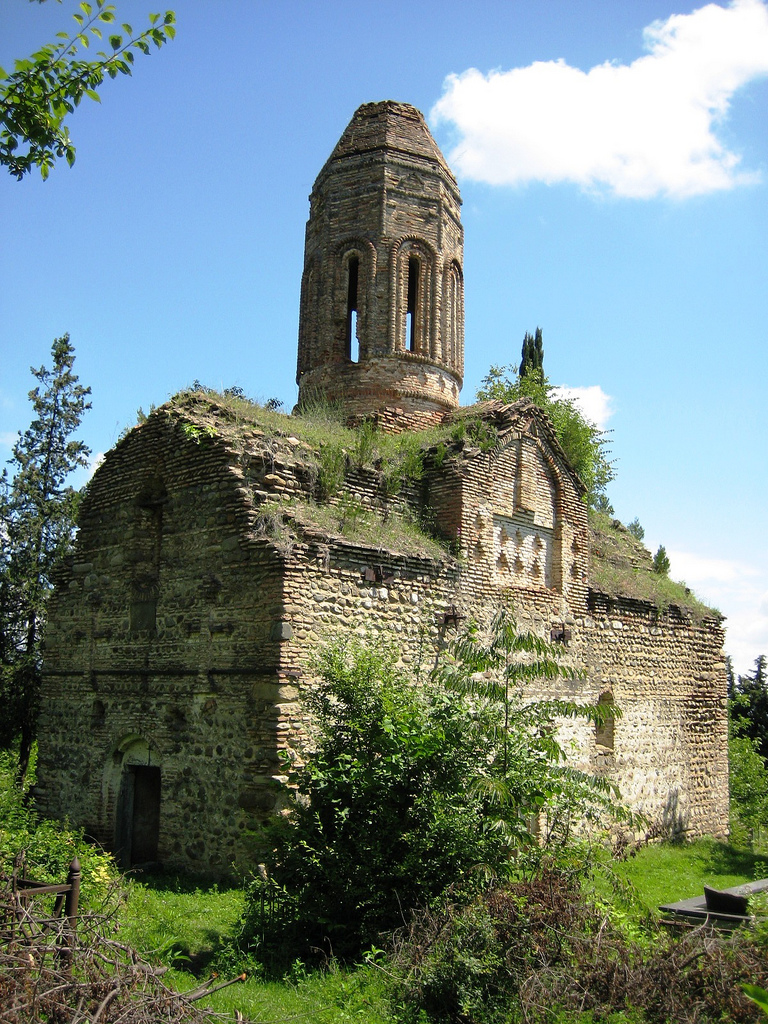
point(635, 529)
point(748, 750)
point(37, 517)
point(532, 356)
point(661, 563)
point(43, 89)
point(413, 788)
point(584, 444)
point(748, 704)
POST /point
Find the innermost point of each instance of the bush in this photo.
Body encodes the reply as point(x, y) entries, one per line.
point(48, 847)
point(383, 819)
point(415, 788)
point(539, 951)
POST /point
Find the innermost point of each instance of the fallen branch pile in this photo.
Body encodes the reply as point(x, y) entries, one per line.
point(49, 973)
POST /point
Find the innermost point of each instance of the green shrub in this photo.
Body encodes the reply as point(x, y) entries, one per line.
point(48, 847)
point(749, 790)
point(383, 819)
point(412, 789)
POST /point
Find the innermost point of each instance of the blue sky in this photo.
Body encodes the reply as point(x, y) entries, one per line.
point(613, 161)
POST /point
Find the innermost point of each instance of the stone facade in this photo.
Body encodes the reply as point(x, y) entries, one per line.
point(181, 632)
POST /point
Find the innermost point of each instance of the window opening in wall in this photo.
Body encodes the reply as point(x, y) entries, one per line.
point(604, 732)
point(453, 328)
point(413, 300)
point(353, 346)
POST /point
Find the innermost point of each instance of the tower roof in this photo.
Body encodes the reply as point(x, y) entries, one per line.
point(390, 126)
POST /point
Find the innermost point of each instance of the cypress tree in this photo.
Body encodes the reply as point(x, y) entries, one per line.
point(532, 356)
point(37, 521)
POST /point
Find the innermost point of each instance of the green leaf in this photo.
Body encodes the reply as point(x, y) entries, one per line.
point(85, 6)
point(92, 94)
point(107, 16)
point(115, 42)
point(757, 995)
point(127, 29)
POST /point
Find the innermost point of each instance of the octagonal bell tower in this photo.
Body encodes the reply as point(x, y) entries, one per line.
point(381, 325)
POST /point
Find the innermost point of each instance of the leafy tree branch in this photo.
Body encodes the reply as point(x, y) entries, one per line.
point(43, 89)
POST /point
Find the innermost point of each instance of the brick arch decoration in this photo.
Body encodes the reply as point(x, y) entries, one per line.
point(561, 558)
point(365, 251)
point(427, 322)
point(450, 347)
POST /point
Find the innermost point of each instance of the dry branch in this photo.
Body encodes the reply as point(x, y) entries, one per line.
point(100, 981)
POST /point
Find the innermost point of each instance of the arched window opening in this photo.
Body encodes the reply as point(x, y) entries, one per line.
point(413, 303)
point(453, 334)
point(353, 345)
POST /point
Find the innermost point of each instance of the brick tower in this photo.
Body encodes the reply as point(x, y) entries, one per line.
point(381, 325)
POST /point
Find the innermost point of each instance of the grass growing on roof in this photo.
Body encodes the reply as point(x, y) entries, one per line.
point(619, 565)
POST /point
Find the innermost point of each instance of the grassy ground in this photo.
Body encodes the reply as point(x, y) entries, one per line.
point(669, 872)
point(187, 926)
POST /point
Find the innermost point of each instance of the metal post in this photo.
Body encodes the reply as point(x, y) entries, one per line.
point(73, 895)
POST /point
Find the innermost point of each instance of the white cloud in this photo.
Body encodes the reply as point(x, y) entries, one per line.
point(8, 439)
point(740, 591)
point(94, 462)
point(592, 401)
point(640, 130)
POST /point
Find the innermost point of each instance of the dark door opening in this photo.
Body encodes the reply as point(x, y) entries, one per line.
point(138, 816)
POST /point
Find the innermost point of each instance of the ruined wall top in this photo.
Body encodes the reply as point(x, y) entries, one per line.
point(381, 326)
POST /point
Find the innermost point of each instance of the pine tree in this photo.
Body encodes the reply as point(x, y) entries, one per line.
point(37, 519)
point(661, 564)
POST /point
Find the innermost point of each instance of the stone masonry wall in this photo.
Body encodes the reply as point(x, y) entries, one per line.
point(162, 646)
point(181, 638)
point(668, 750)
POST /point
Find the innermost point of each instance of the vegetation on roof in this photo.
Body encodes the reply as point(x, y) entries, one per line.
point(296, 521)
point(621, 566)
point(329, 450)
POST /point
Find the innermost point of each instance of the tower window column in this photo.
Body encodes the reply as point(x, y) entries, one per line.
point(412, 307)
point(352, 344)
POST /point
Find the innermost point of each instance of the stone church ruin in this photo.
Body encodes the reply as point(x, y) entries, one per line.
point(214, 554)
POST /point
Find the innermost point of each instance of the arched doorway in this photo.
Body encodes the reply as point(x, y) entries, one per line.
point(137, 812)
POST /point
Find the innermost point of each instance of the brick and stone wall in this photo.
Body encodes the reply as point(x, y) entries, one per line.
point(162, 650)
point(181, 634)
